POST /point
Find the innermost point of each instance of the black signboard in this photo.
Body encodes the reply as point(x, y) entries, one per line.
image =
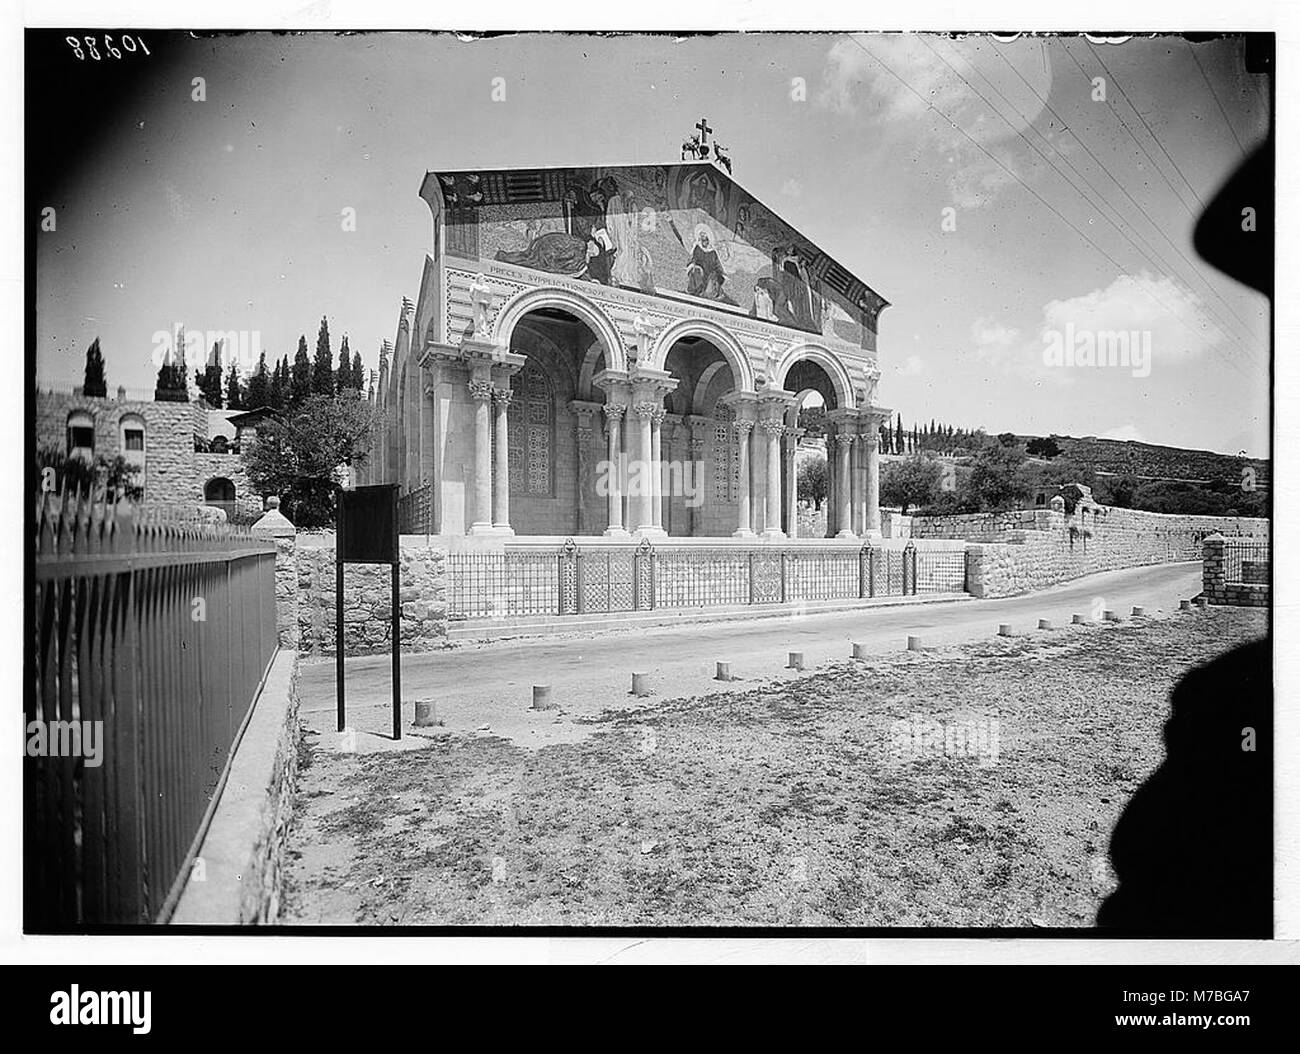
point(368, 525)
point(366, 533)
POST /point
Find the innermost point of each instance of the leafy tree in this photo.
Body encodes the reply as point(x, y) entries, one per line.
point(95, 383)
point(913, 481)
point(234, 389)
point(298, 454)
point(1119, 491)
point(811, 480)
point(259, 386)
point(322, 367)
point(301, 386)
point(83, 475)
point(997, 480)
point(1048, 448)
point(1007, 439)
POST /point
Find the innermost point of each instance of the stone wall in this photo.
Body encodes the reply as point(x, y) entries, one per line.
point(209, 466)
point(367, 591)
point(1253, 589)
point(1096, 538)
point(981, 526)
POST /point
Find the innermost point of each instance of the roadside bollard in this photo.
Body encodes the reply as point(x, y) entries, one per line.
point(1078, 620)
point(1109, 616)
point(1201, 602)
point(913, 643)
point(724, 672)
point(1184, 605)
point(1044, 623)
point(426, 713)
point(859, 650)
point(796, 661)
point(1139, 611)
point(640, 684)
point(1004, 630)
point(541, 697)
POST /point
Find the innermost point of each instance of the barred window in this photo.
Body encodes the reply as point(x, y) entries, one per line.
point(726, 457)
point(532, 428)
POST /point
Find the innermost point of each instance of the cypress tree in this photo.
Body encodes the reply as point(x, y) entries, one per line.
point(259, 386)
point(301, 385)
point(95, 384)
point(322, 369)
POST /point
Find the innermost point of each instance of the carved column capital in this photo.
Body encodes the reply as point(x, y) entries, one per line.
point(658, 414)
point(502, 397)
point(743, 428)
point(844, 439)
point(614, 411)
point(481, 391)
point(773, 428)
point(646, 410)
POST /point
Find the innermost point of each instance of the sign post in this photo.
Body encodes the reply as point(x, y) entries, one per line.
point(366, 533)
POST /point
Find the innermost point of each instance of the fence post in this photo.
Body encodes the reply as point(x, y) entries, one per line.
point(567, 578)
point(751, 576)
point(909, 551)
point(785, 570)
point(866, 573)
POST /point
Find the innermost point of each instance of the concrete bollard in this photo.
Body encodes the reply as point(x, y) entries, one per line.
point(796, 661)
point(426, 713)
point(1109, 616)
point(913, 643)
point(1078, 620)
point(1138, 611)
point(859, 650)
point(1201, 602)
point(1004, 629)
point(541, 697)
point(724, 672)
point(1044, 623)
point(1184, 605)
point(640, 684)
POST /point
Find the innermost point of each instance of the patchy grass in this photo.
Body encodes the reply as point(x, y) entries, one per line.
point(789, 804)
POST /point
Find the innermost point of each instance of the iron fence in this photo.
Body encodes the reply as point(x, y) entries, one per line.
point(150, 638)
point(1246, 561)
point(580, 579)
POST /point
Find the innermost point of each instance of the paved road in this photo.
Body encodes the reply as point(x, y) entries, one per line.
point(477, 685)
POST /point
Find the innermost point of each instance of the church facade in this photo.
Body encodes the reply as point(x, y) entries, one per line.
point(623, 352)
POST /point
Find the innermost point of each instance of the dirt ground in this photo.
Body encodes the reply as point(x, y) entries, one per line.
point(968, 786)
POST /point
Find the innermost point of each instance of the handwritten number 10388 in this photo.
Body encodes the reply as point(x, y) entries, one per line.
point(89, 47)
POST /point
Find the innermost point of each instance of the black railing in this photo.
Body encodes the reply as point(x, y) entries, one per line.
point(151, 640)
point(599, 577)
point(415, 511)
point(1246, 562)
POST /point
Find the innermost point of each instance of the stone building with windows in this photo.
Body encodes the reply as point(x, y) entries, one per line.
point(185, 453)
point(623, 351)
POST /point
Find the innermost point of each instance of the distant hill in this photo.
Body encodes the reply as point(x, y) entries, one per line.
point(1151, 461)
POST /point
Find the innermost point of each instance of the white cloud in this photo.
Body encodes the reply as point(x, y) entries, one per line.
point(856, 83)
point(1125, 434)
point(792, 188)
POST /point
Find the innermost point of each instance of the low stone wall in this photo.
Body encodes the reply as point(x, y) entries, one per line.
point(1096, 538)
point(367, 593)
point(1253, 590)
point(983, 526)
point(238, 874)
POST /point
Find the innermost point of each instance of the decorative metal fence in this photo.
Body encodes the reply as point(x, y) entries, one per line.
point(1246, 561)
point(580, 579)
point(415, 511)
point(149, 641)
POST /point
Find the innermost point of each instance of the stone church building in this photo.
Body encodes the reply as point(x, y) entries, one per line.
point(623, 352)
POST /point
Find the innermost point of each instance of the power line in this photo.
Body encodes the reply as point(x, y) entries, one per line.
point(1213, 95)
point(1142, 211)
point(1120, 267)
point(1150, 132)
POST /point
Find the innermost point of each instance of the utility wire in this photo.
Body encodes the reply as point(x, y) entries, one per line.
point(1214, 95)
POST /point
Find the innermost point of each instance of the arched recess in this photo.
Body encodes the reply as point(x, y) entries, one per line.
point(828, 361)
point(580, 307)
point(699, 404)
point(728, 345)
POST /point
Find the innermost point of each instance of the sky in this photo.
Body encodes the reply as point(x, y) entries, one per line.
point(981, 186)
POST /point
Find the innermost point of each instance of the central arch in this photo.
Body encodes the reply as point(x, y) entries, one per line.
point(741, 368)
point(828, 361)
point(564, 300)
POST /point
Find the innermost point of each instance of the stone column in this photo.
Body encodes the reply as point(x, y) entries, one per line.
point(582, 436)
point(843, 445)
point(773, 430)
point(656, 466)
point(699, 449)
point(872, 440)
point(744, 527)
point(613, 451)
point(501, 470)
point(481, 392)
point(791, 482)
point(832, 499)
point(644, 488)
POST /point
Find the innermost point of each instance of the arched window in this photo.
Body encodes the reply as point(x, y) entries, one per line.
point(221, 493)
point(132, 429)
point(532, 428)
point(81, 433)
